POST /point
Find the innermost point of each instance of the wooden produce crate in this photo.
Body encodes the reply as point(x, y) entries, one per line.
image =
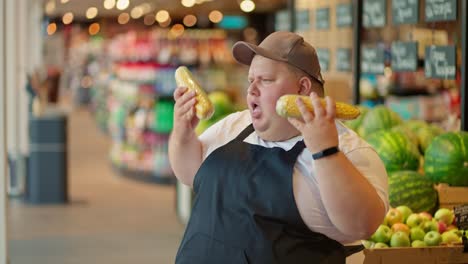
point(449, 196)
point(426, 255)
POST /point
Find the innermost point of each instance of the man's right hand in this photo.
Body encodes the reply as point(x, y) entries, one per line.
point(185, 119)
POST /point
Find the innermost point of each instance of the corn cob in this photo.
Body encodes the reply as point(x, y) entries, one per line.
point(204, 108)
point(286, 106)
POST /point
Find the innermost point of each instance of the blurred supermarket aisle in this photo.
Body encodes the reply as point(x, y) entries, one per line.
point(110, 219)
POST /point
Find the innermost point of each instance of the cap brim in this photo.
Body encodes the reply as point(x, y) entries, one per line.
point(244, 52)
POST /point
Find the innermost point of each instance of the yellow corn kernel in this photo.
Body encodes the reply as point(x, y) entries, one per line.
point(286, 106)
point(204, 108)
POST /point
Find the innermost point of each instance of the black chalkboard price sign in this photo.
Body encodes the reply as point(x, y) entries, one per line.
point(441, 10)
point(404, 56)
point(302, 19)
point(440, 62)
point(461, 216)
point(405, 11)
point(324, 59)
point(343, 60)
point(372, 60)
point(344, 15)
point(374, 14)
point(322, 18)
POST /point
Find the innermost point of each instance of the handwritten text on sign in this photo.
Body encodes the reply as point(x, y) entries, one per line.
point(405, 11)
point(344, 15)
point(440, 62)
point(404, 56)
point(441, 10)
point(372, 60)
point(374, 13)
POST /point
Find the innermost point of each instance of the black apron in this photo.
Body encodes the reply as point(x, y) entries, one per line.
point(244, 211)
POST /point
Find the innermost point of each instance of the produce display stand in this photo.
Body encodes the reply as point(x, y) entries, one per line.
point(449, 196)
point(433, 255)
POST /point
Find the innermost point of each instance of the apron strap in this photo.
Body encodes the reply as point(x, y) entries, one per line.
point(246, 132)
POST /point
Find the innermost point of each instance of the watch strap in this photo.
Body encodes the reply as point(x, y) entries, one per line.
point(325, 153)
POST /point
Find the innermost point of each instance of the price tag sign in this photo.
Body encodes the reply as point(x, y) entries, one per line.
point(343, 60)
point(344, 15)
point(282, 22)
point(441, 10)
point(322, 18)
point(405, 11)
point(440, 62)
point(324, 59)
point(404, 56)
point(374, 14)
point(302, 19)
point(372, 60)
point(461, 216)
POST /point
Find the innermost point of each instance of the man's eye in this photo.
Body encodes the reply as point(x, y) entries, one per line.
point(267, 80)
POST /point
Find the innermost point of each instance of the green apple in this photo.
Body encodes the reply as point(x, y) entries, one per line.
point(430, 226)
point(445, 215)
point(393, 216)
point(414, 220)
point(432, 238)
point(380, 245)
point(400, 227)
point(400, 239)
point(382, 234)
point(405, 210)
point(450, 237)
point(418, 243)
point(368, 243)
point(417, 233)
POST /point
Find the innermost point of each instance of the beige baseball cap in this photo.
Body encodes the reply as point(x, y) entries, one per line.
point(282, 46)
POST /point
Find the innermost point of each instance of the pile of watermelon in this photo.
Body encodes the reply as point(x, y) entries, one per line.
point(416, 155)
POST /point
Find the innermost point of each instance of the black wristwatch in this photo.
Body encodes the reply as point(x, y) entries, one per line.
point(325, 153)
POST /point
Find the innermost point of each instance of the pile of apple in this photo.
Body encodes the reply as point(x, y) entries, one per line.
point(403, 228)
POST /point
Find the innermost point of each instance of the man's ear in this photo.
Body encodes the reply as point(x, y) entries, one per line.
point(305, 86)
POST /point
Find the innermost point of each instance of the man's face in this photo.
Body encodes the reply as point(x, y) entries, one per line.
point(270, 79)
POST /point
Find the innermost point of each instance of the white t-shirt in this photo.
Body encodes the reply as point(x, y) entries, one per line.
point(306, 191)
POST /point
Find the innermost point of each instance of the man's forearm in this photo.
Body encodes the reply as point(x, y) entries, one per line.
point(185, 157)
point(352, 203)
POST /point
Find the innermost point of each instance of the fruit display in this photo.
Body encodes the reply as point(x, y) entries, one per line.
point(412, 189)
point(354, 124)
point(446, 159)
point(416, 230)
point(378, 118)
point(395, 149)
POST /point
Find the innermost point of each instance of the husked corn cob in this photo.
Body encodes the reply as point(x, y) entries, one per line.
point(286, 106)
point(204, 108)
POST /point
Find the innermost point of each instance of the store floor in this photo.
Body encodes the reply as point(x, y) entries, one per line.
point(110, 219)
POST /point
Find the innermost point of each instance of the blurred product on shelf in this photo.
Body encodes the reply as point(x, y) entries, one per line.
point(131, 87)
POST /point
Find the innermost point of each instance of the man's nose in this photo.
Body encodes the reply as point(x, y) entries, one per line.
point(253, 89)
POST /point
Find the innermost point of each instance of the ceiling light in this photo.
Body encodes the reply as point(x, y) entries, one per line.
point(165, 23)
point(64, 1)
point(146, 7)
point(247, 6)
point(162, 16)
point(123, 18)
point(190, 20)
point(215, 16)
point(136, 12)
point(94, 28)
point(50, 7)
point(188, 3)
point(122, 4)
point(177, 30)
point(91, 12)
point(67, 18)
point(109, 4)
point(149, 20)
point(51, 28)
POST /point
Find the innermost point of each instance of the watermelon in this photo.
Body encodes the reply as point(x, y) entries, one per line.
point(379, 118)
point(396, 150)
point(446, 159)
point(425, 132)
point(408, 132)
point(413, 190)
point(356, 123)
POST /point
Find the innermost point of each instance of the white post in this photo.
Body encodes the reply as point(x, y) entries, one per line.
point(3, 165)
